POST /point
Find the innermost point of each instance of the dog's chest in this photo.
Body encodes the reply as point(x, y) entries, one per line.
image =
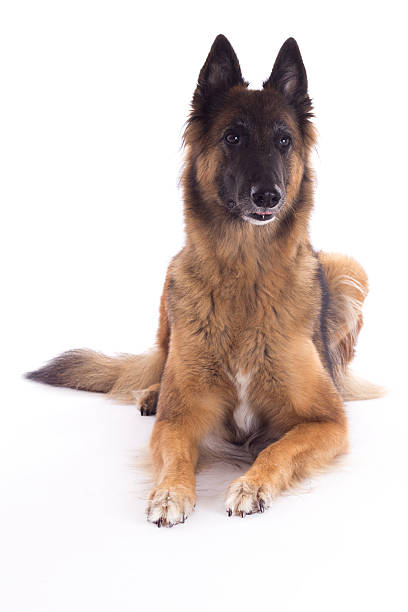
point(244, 417)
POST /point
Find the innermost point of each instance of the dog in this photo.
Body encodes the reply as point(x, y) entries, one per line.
point(256, 329)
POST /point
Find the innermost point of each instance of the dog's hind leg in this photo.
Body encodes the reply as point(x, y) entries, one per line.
point(146, 399)
point(348, 287)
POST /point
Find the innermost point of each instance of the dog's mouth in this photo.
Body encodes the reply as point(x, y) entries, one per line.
point(261, 216)
point(252, 214)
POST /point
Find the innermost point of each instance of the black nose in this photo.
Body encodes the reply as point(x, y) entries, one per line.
point(265, 198)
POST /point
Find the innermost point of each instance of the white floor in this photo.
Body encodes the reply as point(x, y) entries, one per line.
point(74, 536)
point(91, 215)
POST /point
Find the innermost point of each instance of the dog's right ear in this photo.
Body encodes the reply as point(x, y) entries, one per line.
point(220, 72)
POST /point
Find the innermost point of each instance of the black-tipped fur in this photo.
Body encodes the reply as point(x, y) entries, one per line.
point(77, 369)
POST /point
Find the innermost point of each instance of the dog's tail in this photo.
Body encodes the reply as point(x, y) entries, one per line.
point(90, 371)
point(352, 387)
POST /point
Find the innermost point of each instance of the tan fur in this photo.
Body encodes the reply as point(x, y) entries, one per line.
point(231, 309)
point(353, 387)
point(242, 327)
point(227, 309)
point(348, 286)
point(147, 399)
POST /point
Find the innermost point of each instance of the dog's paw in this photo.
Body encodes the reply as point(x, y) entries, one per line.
point(245, 496)
point(146, 400)
point(170, 505)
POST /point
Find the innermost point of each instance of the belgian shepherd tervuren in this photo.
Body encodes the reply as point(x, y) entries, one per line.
point(256, 328)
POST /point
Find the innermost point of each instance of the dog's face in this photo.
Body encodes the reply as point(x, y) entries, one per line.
point(249, 147)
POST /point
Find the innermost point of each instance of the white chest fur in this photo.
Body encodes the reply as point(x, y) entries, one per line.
point(235, 451)
point(244, 417)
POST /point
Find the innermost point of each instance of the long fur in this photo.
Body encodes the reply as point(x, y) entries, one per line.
point(256, 329)
point(354, 388)
point(91, 371)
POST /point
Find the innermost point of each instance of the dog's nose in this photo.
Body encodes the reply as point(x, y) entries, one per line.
point(266, 198)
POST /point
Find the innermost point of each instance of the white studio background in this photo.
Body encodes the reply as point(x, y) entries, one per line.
point(94, 96)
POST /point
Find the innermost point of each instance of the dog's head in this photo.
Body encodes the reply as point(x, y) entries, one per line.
point(248, 149)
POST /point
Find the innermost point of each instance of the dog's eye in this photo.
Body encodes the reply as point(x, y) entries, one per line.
point(284, 141)
point(232, 139)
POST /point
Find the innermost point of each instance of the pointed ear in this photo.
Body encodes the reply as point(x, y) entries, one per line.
point(220, 72)
point(289, 74)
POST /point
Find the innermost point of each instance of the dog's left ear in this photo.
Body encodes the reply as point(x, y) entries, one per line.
point(289, 74)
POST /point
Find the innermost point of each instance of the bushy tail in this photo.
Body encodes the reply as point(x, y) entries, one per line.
point(352, 387)
point(91, 371)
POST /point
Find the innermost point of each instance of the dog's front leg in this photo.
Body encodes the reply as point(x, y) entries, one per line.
point(174, 453)
point(182, 420)
point(319, 435)
point(305, 449)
